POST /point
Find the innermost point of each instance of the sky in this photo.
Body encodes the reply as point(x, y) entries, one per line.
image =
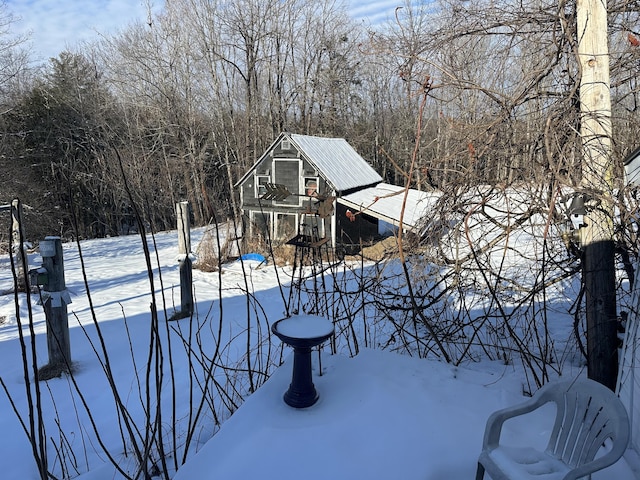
point(380, 415)
point(54, 25)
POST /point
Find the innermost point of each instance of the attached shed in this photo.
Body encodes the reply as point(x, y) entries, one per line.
point(388, 203)
point(313, 172)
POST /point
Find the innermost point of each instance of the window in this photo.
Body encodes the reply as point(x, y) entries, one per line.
point(261, 184)
point(260, 224)
point(286, 225)
point(287, 172)
point(313, 226)
point(285, 145)
point(311, 186)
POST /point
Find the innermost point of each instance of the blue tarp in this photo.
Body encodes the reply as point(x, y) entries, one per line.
point(253, 256)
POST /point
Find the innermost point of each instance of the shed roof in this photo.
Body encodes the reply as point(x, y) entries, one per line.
point(384, 201)
point(338, 162)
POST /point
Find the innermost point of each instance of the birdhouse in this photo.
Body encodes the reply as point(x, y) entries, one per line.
point(38, 276)
point(48, 247)
point(577, 211)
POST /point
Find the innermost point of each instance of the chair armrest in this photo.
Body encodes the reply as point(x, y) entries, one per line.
point(497, 419)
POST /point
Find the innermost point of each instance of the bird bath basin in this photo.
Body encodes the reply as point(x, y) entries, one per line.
point(302, 332)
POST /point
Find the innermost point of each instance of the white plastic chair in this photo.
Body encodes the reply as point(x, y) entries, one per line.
point(588, 413)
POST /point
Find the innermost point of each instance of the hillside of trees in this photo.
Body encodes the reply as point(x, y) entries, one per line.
point(178, 108)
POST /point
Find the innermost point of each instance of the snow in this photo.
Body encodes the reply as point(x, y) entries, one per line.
point(380, 414)
point(517, 462)
point(304, 326)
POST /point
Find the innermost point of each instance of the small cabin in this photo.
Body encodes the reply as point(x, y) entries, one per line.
point(292, 192)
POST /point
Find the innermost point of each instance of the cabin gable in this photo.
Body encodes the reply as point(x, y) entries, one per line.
point(289, 167)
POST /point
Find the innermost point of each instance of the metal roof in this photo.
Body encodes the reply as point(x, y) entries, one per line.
point(384, 201)
point(338, 162)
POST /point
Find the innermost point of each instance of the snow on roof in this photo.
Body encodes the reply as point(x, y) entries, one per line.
point(338, 161)
point(384, 201)
point(632, 167)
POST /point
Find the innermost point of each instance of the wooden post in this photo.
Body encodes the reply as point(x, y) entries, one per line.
point(597, 181)
point(56, 299)
point(184, 228)
point(184, 259)
point(17, 234)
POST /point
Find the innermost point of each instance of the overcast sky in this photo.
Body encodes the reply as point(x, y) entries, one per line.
point(54, 25)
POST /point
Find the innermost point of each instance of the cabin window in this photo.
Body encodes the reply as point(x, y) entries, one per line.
point(313, 226)
point(286, 225)
point(260, 224)
point(261, 184)
point(285, 145)
point(311, 186)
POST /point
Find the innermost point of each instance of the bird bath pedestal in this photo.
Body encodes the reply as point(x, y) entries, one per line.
point(302, 332)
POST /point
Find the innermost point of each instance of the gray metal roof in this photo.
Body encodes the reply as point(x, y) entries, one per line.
point(384, 201)
point(338, 162)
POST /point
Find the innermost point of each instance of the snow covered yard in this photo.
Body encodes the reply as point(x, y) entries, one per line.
point(380, 415)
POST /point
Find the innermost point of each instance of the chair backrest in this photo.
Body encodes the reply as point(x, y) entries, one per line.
point(588, 413)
